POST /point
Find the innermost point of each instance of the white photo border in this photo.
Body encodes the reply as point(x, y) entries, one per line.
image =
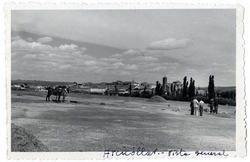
point(240, 85)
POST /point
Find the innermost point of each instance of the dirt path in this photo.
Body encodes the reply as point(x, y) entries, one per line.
point(97, 123)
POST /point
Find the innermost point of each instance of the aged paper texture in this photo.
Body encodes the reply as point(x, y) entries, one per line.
point(124, 81)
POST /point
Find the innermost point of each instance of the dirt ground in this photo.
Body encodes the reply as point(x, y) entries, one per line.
point(98, 123)
point(23, 141)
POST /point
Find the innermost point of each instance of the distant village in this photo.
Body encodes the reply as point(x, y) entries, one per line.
point(129, 88)
point(116, 88)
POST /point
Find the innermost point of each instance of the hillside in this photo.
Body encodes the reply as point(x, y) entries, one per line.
point(39, 82)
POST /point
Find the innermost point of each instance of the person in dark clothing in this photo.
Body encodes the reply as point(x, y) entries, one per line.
point(211, 105)
point(192, 107)
point(215, 106)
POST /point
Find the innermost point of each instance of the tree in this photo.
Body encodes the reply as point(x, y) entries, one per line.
point(157, 88)
point(174, 90)
point(211, 87)
point(191, 89)
point(160, 89)
point(185, 87)
point(144, 90)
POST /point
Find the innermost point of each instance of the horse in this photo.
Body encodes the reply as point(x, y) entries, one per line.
point(63, 92)
point(58, 92)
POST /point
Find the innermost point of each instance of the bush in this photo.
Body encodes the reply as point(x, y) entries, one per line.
point(204, 99)
point(135, 94)
point(177, 98)
point(146, 95)
point(124, 94)
point(225, 101)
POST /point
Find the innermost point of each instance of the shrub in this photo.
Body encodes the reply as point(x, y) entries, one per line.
point(176, 98)
point(146, 95)
point(225, 101)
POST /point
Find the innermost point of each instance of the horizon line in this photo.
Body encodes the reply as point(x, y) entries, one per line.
point(106, 82)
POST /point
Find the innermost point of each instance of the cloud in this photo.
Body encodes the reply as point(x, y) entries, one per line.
point(15, 38)
point(114, 66)
point(158, 69)
point(110, 59)
point(13, 54)
point(22, 46)
point(66, 47)
point(145, 59)
point(169, 44)
point(39, 56)
point(132, 52)
point(132, 67)
point(30, 39)
point(118, 64)
point(218, 64)
point(161, 67)
point(45, 39)
point(191, 71)
point(34, 57)
point(63, 67)
point(125, 73)
point(116, 55)
point(90, 63)
point(171, 64)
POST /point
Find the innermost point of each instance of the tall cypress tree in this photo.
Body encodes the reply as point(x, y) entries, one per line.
point(211, 87)
point(160, 89)
point(185, 84)
point(157, 88)
point(191, 89)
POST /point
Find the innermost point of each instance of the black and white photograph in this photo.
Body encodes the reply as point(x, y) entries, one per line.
point(125, 82)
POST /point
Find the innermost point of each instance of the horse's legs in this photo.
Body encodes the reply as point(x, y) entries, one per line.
point(48, 98)
point(59, 96)
point(63, 98)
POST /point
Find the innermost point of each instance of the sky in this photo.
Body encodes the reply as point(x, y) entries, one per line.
point(109, 45)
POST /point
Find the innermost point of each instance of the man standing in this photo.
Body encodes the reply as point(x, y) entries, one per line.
point(215, 105)
point(201, 107)
point(211, 105)
point(196, 107)
point(192, 107)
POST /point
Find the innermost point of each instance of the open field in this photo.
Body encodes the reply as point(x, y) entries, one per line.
point(97, 123)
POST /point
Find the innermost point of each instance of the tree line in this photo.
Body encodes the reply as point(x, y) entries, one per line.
point(189, 90)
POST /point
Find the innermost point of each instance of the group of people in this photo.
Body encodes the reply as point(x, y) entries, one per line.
point(197, 106)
